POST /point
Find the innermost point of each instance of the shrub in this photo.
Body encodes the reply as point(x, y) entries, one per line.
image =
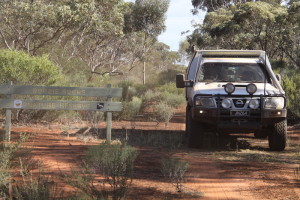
point(164, 112)
point(291, 85)
point(173, 100)
point(20, 68)
point(151, 97)
point(128, 90)
point(6, 156)
point(115, 162)
point(131, 109)
point(174, 169)
point(36, 189)
point(84, 179)
point(171, 88)
point(169, 75)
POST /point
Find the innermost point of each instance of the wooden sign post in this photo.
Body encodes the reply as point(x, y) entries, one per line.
point(104, 106)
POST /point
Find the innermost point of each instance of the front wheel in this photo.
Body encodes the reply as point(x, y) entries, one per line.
point(278, 136)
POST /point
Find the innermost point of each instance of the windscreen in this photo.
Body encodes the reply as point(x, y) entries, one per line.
point(232, 72)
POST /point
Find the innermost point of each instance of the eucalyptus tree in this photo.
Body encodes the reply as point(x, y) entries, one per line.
point(214, 5)
point(29, 26)
point(148, 18)
point(105, 35)
point(290, 34)
point(94, 35)
point(252, 25)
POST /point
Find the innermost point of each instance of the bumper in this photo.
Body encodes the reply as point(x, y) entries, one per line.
point(224, 118)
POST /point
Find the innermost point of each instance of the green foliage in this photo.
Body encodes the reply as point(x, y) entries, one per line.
point(291, 85)
point(151, 97)
point(84, 179)
point(266, 25)
point(6, 157)
point(148, 16)
point(131, 108)
point(171, 88)
point(129, 90)
point(173, 100)
point(36, 189)
point(163, 102)
point(92, 42)
point(174, 169)
point(164, 112)
point(169, 75)
point(20, 68)
point(115, 162)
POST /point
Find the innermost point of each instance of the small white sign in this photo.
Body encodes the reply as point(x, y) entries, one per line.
point(17, 104)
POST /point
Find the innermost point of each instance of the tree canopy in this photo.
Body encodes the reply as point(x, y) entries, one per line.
point(93, 37)
point(252, 25)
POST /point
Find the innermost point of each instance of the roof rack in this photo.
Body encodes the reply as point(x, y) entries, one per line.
point(232, 53)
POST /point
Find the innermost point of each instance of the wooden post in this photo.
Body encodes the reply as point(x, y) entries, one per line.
point(108, 119)
point(8, 120)
point(7, 125)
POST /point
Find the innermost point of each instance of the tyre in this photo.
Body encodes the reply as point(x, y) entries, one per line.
point(194, 130)
point(278, 136)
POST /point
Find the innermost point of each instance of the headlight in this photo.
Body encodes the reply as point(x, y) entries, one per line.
point(229, 88)
point(205, 102)
point(226, 103)
point(251, 88)
point(253, 104)
point(274, 103)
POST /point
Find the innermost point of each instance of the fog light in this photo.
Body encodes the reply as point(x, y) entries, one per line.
point(253, 104)
point(226, 103)
point(251, 88)
point(229, 88)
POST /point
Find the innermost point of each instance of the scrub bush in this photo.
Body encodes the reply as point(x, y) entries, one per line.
point(115, 163)
point(174, 169)
point(164, 112)
point(131, 108)
point(21, 68)
point(291, 85)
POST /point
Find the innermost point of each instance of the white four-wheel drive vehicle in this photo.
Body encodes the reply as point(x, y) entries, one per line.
point(234, 91)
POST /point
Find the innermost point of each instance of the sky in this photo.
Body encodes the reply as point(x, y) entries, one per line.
point(179, 19)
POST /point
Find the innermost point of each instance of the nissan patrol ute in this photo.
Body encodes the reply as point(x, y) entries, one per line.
point(234, 91)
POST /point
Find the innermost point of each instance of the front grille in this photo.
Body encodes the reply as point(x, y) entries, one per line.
point(219, 102)
point(238, 103)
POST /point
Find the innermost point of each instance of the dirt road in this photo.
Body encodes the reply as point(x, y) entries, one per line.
point(214, 174)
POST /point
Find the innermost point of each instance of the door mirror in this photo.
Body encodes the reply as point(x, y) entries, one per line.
point(180, 81)
point(278, 76)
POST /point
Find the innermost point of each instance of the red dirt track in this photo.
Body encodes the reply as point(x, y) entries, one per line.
point(210, 176)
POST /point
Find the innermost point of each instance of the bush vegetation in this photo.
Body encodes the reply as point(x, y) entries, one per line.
point(291, 85)
point(36, 188)
point(7, 156)
point(174, 169)
point(21, 68)
point(156, 103)
point(114, 162)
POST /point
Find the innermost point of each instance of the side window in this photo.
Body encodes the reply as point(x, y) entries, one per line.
point(193, 67)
